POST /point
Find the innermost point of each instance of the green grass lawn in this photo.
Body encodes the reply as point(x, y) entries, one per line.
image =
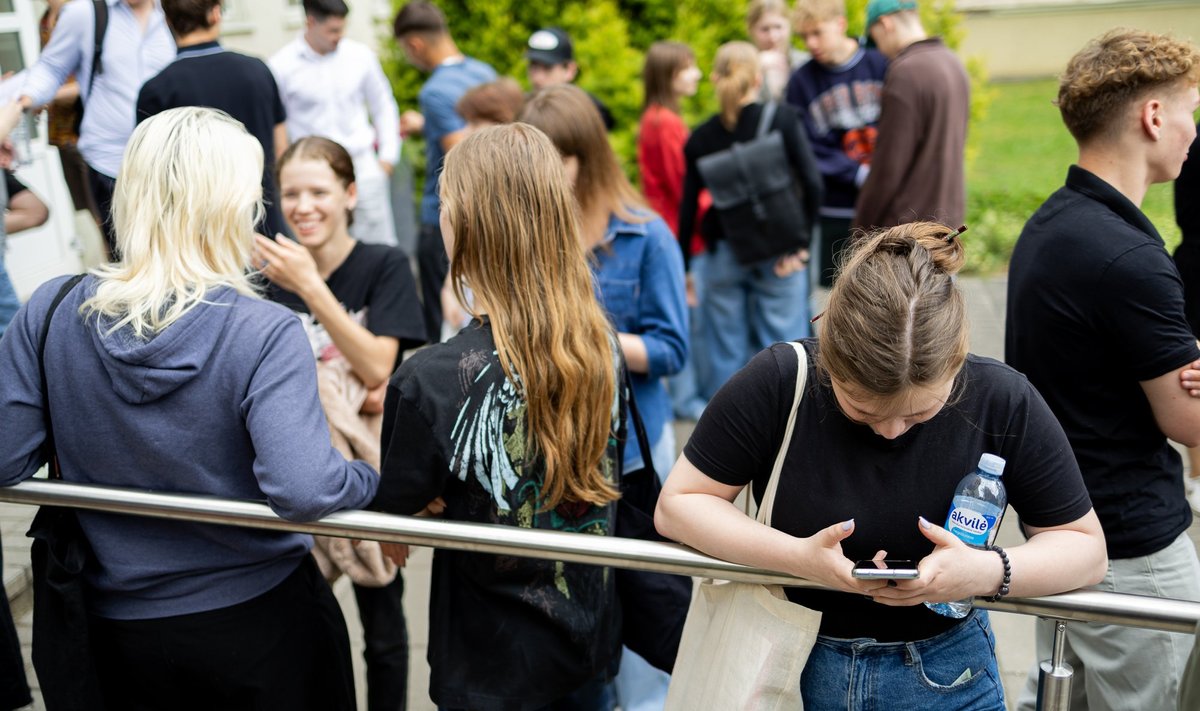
point(1019, 155)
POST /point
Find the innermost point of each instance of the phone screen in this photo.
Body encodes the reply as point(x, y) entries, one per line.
point(888, 569)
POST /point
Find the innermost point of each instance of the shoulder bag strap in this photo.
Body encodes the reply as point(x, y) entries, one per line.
point(639, 427)
point(48, 449)
point(768, 500)
point(100, 9)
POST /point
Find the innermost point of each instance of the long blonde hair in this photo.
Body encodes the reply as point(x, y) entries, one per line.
point(570, 118)
point(186, 201)
point(735, 70)
point(896, 320)
point(516, 244)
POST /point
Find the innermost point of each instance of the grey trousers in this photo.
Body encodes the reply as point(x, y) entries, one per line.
point(1122, 668)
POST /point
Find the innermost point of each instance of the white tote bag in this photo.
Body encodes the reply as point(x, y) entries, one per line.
point(744, 645)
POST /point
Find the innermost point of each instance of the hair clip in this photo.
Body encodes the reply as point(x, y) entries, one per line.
point(950, 237)
point(816, 318)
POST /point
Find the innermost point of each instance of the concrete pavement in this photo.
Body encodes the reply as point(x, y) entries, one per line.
point(1014, 633)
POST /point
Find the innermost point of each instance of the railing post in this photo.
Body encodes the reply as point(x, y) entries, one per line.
point(1054, 678)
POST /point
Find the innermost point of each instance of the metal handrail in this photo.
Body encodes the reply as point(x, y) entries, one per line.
point(1082, 606)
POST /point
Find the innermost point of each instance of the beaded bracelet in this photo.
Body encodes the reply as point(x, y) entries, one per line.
point(1007, 574)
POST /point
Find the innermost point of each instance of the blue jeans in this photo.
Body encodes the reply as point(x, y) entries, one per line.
point(954, 671)
point(746, 309)
point(9, 303)
point(687, 386)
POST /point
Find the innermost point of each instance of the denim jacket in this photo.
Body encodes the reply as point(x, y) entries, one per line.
point(639, 274)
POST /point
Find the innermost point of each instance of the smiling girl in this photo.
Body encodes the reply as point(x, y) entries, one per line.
point(359, 306)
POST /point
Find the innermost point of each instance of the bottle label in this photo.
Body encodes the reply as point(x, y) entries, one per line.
point(970, 526)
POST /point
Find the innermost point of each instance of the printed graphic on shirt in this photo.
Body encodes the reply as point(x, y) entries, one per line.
point(489, 445)
point(844, 107)
point(322, 343)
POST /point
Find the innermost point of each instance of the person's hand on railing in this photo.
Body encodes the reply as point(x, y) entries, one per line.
point(434, 509)
point(953, 571)
point(395, 552)
point(824, 562)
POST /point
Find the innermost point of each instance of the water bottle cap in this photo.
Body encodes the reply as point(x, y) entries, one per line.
point(991, 464)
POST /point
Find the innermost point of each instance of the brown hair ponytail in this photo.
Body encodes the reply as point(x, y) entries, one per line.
point(896, 320)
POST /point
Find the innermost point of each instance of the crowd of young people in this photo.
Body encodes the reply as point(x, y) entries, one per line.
point(553, 293)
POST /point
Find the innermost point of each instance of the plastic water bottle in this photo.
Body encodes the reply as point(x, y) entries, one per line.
point(975, 514)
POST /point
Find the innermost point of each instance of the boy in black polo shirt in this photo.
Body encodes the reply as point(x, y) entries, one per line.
point(206, 74)
point(1096, 321)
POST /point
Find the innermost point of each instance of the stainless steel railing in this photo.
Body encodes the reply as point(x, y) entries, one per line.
point(1079, 606)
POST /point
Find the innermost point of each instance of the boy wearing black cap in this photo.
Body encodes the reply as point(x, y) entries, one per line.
point(917, 168)
point(551, 57)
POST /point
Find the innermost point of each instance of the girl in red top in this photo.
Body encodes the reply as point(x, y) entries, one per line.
point(670, 74)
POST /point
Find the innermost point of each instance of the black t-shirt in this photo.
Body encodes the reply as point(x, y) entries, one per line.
point(836, 470)
point(376, 287)
point(241, 86)
point(504, 632)
point(1095, 306)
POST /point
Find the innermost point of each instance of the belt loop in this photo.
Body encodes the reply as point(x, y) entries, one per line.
point(910, 654)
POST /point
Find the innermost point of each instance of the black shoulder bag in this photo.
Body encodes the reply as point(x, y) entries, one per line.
point(60, 554)
point(100, 11)
point(653, 605)
point(755, 195)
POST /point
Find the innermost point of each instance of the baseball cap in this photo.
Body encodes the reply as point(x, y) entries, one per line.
point(550, 46)
point(878, 8)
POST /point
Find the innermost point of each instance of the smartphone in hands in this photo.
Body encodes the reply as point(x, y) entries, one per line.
point(887, 569)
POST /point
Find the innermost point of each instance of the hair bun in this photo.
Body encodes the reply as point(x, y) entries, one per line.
point(943, 244)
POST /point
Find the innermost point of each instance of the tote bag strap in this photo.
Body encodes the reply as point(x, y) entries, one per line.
point(768, 500)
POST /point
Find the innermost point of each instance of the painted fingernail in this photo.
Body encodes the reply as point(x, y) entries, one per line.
point(924, 524)
point(891, 583)
point(848, 525)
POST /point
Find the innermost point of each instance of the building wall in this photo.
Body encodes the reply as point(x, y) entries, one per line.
point(1021, 39)
point(260, 27)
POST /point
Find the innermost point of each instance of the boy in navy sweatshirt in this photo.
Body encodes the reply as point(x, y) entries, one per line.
point(837, 94)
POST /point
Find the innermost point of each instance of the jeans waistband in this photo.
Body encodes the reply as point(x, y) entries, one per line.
point(868, 646)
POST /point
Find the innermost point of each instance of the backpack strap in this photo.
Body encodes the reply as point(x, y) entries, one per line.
point(766, 119)
point(48, 449)
point(100, 10)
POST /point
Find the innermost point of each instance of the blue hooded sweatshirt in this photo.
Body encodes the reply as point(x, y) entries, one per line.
point(221, 402)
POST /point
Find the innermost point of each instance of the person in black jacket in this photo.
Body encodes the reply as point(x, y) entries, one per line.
point(746, 308)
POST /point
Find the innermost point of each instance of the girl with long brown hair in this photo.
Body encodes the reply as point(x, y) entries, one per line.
point(639, 272)
point(893, 412)
point(513, 421)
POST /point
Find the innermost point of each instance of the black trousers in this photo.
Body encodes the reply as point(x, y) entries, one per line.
point(385, 645)
point(102, 192)
point(433, 266)
point(14, 691)
point(285, 649)
point(835, 238)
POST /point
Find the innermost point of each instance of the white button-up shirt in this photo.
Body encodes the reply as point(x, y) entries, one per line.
point(131, 55)
point(343, 96)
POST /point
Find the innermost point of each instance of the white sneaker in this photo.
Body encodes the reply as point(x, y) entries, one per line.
point(1192, 486)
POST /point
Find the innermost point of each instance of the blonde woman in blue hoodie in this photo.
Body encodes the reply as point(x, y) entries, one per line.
point(166, 371)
